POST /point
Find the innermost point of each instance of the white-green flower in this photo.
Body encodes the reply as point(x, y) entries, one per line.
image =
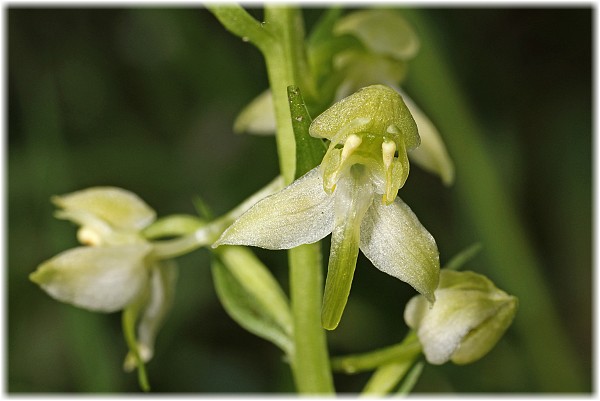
point(353, 196)
point(468, 318)
point(258, 118)
point(117, 269)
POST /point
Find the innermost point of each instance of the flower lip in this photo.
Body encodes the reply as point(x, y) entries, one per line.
point(390, 236)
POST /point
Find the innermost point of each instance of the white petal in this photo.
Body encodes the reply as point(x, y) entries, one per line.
point(258, 117)
point(120, 208)
point(395, 241)
point(104, 279)
point(301, 213)
point(162, 287)
point(432, 155)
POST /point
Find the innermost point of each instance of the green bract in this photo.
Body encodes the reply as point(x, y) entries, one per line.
point(118, 270)
point(467, 320)
point(342, 197)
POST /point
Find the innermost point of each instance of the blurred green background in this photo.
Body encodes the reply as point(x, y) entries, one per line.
point(145, 98)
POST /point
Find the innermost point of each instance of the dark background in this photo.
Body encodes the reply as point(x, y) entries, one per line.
point(145, 99)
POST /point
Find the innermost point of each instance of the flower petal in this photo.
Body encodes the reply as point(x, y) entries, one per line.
point(395, 241)
point(258, 117)
point(301, 213)
point(120, 208)
point(158, 304)
point(431, 155)
point(104, 279)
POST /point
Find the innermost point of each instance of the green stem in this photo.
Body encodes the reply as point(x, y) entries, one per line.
point(510, 252)
point(205, 234)
point(409, 348)
point(285, 65)
point(391, 364)
point(311, 362)
point(281, 40)
point(280, 63)
point(240, 23)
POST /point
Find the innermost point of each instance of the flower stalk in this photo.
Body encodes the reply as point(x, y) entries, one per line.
point(284, 67)
point(287, 66)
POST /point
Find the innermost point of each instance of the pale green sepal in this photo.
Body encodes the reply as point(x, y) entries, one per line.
point(120, 208)
point(395, 241)
point(154, 310)
point(258, 117)
point(249, 307)
point(354, 195)
point(379, 107)
point(467, 320)
point(432, 155)
point(301, 213)
point(381, 31)
point(479, 341)
point(103, 279)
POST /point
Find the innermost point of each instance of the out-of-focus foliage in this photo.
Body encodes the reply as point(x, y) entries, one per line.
point(145, 99)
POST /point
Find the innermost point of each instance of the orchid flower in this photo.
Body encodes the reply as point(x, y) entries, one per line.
point(116, 269)
point(384, 44)
point(352, 195)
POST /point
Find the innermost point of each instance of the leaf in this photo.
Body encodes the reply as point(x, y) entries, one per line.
point(248, 311)
point(309, 150)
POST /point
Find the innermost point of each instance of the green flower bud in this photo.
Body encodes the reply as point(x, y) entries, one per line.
point(384, 32)
point(468, 318)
